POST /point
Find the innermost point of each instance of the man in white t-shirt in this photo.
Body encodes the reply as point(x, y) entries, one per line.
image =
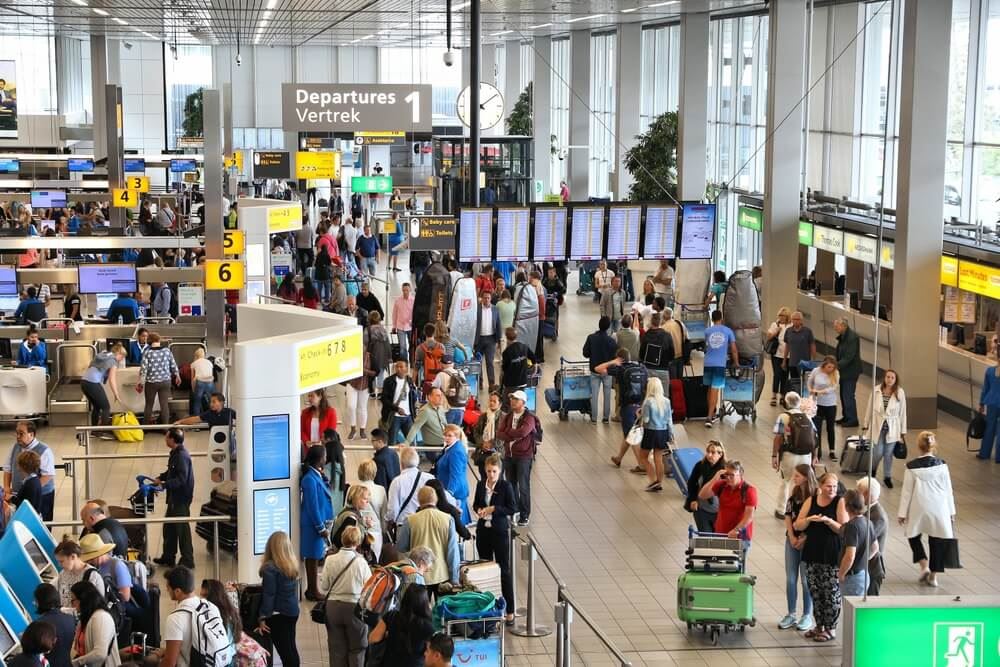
point(178, 631)
point(602, 280)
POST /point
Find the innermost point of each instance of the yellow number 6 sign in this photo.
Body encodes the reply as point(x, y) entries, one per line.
point(222, 274)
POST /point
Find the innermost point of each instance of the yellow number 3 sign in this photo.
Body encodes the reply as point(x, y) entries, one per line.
point(224, 274)
point(138, 183)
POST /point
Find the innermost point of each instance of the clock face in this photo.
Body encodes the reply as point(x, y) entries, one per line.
point(490, 106)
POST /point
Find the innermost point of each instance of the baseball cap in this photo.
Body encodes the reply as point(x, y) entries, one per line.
point(447, 359)
point(519, 395)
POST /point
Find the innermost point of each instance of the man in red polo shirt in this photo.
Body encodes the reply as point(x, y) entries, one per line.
point(737, 501)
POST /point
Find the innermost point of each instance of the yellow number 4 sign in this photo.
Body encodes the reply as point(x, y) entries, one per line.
point(124, 198)
point(221, 274)
point(138, 183)
point(233, 243)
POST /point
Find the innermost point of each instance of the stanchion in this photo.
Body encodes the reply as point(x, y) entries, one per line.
point(215, 549)
point(529, 629)
point(566, 617)
point(512, 559)
point(560, 615)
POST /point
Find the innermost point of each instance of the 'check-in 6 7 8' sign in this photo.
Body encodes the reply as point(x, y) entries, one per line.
point(355, 107)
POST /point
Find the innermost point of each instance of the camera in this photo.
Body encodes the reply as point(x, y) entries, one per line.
point(239, 60)
point(449, 58)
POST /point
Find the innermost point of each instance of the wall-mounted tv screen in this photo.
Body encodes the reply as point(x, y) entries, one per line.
point(134, 165)
point(48, 198)
point(9, 165)
point(105, 278)
point(82, 165)
point(180, 166)
point(8, 280)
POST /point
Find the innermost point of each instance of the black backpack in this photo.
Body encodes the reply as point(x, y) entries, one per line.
point(802, 439)
point(113, 603)
point(633, 384)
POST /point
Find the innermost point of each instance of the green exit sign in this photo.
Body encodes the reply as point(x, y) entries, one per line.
point(805, 233)
point(750, 218)
point(381, 185)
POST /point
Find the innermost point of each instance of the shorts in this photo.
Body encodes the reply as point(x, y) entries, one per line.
point(714, 377)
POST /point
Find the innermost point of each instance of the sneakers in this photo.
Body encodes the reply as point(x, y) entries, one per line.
point(805, 623)
point(787, 622)
point(523, 522)
point(350, 436)
point(164, 561)
point(711, 422)
point(888, 482)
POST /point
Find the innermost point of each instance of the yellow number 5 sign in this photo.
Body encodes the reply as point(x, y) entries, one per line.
point(233, 243)
point(222, 274)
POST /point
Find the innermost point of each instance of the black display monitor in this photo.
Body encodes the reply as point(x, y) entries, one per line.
point(5, 349)
point(513, 234)
point(270, 447)
point(697, 230)
point(107, 278)
point(48, 199)
point(659, 239)
point(9, 165)
point(8, 642)
point(37, 556)
point(624, 224)
point(8, 281)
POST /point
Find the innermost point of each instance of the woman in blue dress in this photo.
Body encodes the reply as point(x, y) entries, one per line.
point(451, 469)
point(317, 512)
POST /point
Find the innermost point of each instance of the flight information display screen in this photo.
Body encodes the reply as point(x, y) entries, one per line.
point(623, 232)
point(550, 235)
point(8, 280)
point(588, 233)
point(180, 166)
point(475, 235)
point(660, 241)
point(83, 165)
point(513, 227)
point(697, 231)
point(134, 165)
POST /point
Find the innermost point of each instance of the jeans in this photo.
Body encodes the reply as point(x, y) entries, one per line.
point(369, 265)
point(616, 324)
point(884, 451)
point(152, 390)
point(488, 348)
point(518, 473)
point(825, 413)
point(398, 429)
point(199, 396)
point(596, 383)
point(779, 377)
point(346, 635)
point(404, 345)
point(325, 289)
point(178, 533)
point(855, 584)
point(795, 575)
point(704, 521)
point(848, 402)
point(992, 430)
point(454, 416)
point(283, 635)
point(100, 408)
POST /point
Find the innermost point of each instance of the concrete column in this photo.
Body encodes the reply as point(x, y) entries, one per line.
point(512, 75)
point(628, 82)
point(923, 118)
point(489, 68)
point(579, 114)
point(114, 147)
point(541, 113)
point(215, 301)
point(98, 81)
point(783, 151)
point(692, 112)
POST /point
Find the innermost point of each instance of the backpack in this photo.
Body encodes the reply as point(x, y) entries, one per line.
point(379, 349)
point(432, 361)
point(382, 591)
point(802, 439)
point(210, 643)
point(633, 384)
point(459, 355)
point(538, 433)
point(458, 392)
point(113, 603)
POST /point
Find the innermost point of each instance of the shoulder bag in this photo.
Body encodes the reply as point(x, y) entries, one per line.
point(636, 433)
point(318, 612)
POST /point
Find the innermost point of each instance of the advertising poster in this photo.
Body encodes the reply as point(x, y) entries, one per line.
point(8, 99)
point(189, 300)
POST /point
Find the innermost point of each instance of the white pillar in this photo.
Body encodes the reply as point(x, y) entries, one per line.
point(579, 114)
point(783, 152)
point(692, 112)
point(628, 89)
point(489, 69)
point(541, 112)
point(923, 121)
point(512, 75)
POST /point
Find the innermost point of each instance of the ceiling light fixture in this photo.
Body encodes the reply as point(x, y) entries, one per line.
point(80, 2)
point(366, 37)
point(664, 4)
point(355, 41)
point(585, 18)
point(271, 4)
point(460, 6)
point(118, 20)
point(100, 11)
point(540, 25)
point(630, 10)
point(502, 32)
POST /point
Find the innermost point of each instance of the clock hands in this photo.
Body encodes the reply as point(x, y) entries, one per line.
point(483, 105)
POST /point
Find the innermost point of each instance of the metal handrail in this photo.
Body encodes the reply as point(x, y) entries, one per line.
point(270, 297)
point(145, 521)
point(115, 457)
point(600, 634)
point(141, 427)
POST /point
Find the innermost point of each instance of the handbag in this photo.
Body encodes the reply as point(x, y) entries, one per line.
point(771, 344)
point(318, 612)
point(635, 434)
point(899, 450)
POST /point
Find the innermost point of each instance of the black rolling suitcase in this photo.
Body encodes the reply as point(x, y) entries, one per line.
point(695, 397)
point(222, 503)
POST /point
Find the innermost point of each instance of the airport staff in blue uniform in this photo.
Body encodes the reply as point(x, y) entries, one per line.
point(13, 477)
point(178, 479)
point(32, 351)
point(25, 309)
point(125, 302)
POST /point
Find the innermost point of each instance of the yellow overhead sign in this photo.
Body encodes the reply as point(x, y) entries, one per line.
point(233, 242)
point(330, 360)
point(317, 165)
point(223, 274)
point(137, 183)
point(979, 279)
point(949, 271)
point(284, 219)
point(124, 198)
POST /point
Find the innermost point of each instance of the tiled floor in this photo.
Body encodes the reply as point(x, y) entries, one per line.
point(619, 550)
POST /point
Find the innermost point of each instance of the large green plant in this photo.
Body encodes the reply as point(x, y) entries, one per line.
point(652, 161)
point(194, 123)
point(519, 121)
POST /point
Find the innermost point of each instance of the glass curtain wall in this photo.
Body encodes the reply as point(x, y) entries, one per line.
point(183, 75)
point(426, 65)
point(527, 73)
point(560, 107)
point(660, 72)
point(603, 60)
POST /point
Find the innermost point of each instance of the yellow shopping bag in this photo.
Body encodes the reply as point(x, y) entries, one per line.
point(127, 419)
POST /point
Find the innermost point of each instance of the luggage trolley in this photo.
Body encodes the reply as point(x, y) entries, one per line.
point(695, 320)
point(805, 368)
point(572, 389)
point(744, 384)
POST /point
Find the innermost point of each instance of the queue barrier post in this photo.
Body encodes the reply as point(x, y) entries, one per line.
point(529, 628)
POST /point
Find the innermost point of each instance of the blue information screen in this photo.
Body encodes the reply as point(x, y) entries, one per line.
point(271, 513)
point(80, 165)
point(271, 448)
point(9, 165)
point(178, 166)
point(135, 165)
point(697, 231)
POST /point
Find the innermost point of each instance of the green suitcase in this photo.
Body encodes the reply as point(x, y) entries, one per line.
point(723, 600)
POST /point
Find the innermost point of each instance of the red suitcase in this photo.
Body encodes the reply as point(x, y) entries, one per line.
point(677, 402)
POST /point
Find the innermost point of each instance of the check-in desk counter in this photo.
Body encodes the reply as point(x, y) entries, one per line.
point(23, 392)
point(960, 372)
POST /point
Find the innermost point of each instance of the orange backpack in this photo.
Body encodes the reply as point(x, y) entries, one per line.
point(432, 360)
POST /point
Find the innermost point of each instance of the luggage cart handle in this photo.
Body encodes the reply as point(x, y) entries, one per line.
point(692, 532)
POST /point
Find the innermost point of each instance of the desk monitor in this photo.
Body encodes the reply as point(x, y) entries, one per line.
point(8, 640)
point(6, 351)
point(107, 278)
point(623, 232)
point(80, 165)
point(532, 395)
point(475, 235)
point(9, 165)
point(37, 556)
point(660, 238)
point(8, 281)
point(48, 199)
point(13, 613)
point(47, 225)
point(181, 166)
point(697, 230)
point(513, 227)
point(111, 342)
point(550, 234)
point(135, 165)
point(104, 303)
point(587, 233)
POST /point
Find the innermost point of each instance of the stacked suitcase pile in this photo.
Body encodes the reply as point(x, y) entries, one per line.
point(715, 593)
point(222, 503)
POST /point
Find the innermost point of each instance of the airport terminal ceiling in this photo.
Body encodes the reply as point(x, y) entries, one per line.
point(337, 22)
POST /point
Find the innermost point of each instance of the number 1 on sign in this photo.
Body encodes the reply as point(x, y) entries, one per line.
point(414, 100)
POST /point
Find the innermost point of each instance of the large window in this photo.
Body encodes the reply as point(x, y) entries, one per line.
point(603, 59)
point(34, 79)
point(184, 74)
point(527, 64)
point(986, 143)
point(560, 107)
point(426, 65)
point(660, 72)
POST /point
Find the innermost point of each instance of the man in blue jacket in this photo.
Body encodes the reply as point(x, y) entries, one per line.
point(487, 334)
point(598, 349)
point(178, 480)
point(32, 351)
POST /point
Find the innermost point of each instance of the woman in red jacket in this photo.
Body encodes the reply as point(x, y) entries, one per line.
point(318, 416)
